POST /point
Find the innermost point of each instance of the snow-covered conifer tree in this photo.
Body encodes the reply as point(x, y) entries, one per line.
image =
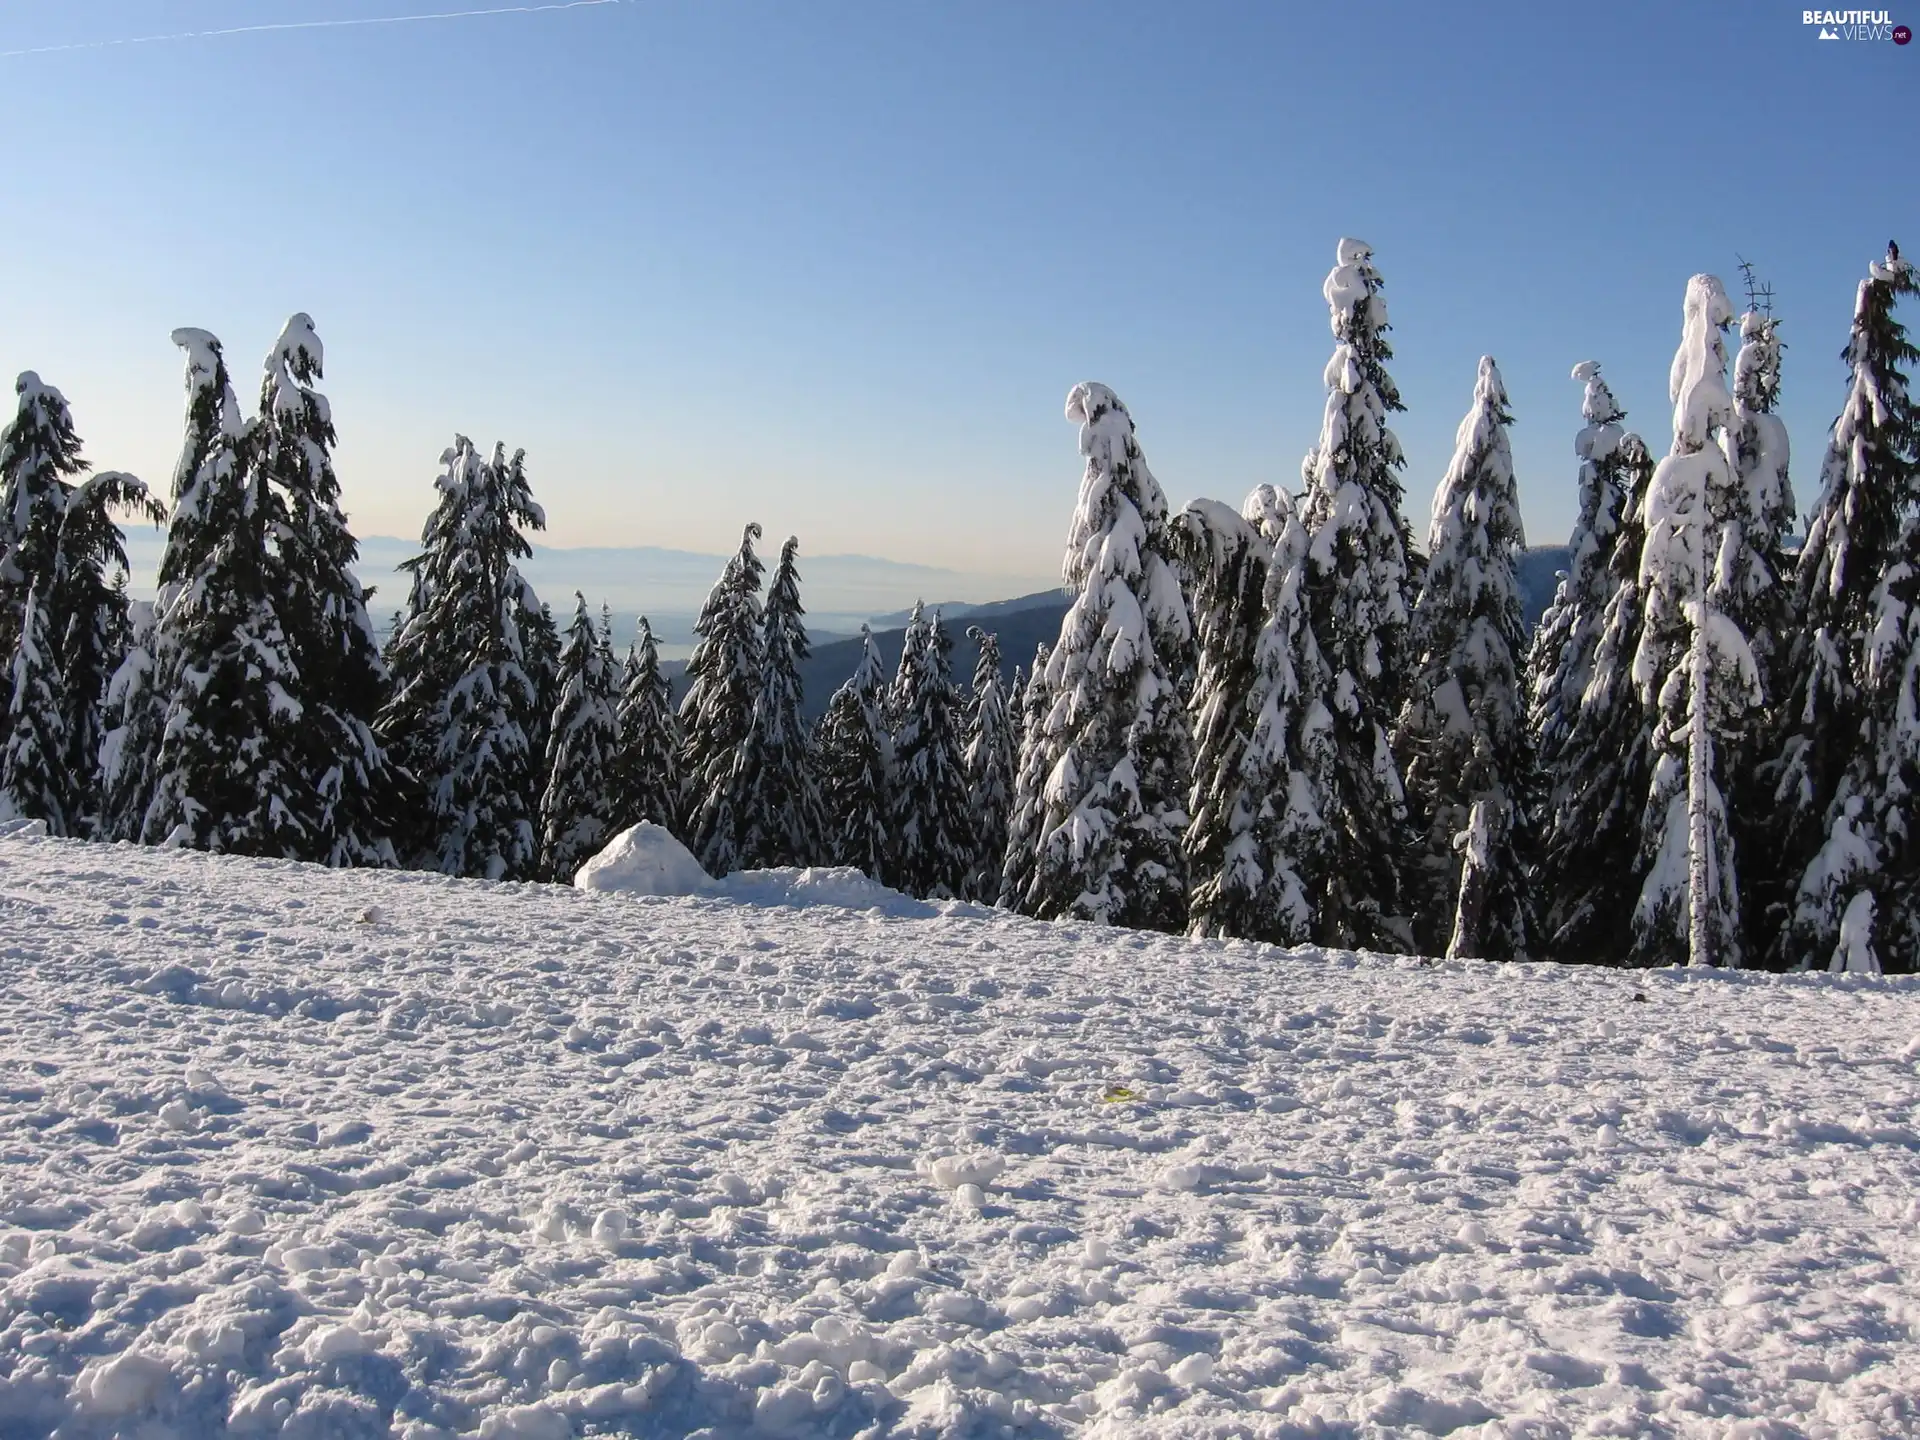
point(1118, 755)
point(1561, 660)
point(1693, 666)
point(1463, 741)
point(1592, 733)
point(1028, 811)
point(777, 804)
point(1591, 862)
point(1274, 805)
point(34, 783)
point(1223, 559)
point(1880, 927)
point(933, 822)
point(140, 691)
point(577, 810)
point(39, 453)
point(1752, 575)
point(1361, 600)
point(853, 758)
point(131, 700)
point(1289, 769)
point(342, 676)
point(540, 644)
point(1756, 556)
point(647, 770)
point(229, 773)
point(60, 549)
point(1847, 768)
point(992, 757)
point(906, 675)
point(723, 674)
point(462, 705)
point(92, 626)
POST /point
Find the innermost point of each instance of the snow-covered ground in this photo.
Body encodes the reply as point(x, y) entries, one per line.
point(285, 1151)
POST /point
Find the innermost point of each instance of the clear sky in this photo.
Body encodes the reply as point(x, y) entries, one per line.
point(833, 265)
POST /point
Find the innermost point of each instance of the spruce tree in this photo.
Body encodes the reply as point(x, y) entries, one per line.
point(541, 645)
point(992, 757)
point(933, 819)
point(1028, 811)
point(776, 802)
point(906, 675)
point(210, 458)
point(343, 678)
point(1592, 866)
point(34, 780)
point(228, 774)
point(92, 627)
point(1593, 736)
point(1758, 555)
point(1361, 599)
point(1266, 875)
point(131, 703)
point(853, 758)
point(1560, 663)
point(577, 813)
point(1693, 666)
point(1753, 578)
point(460, 717)
point(723, 674)
point(1462, 740)
point(1117, 760)
point(1846, 767)
point(1880, 927)
point(39, 456)
point(647, 768)
point(1223, 558)
point(1288, 772)
point(62, 552)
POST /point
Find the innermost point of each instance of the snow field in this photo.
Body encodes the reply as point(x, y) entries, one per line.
point(288, 1151)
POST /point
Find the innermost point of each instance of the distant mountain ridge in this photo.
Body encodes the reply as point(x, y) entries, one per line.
point(1023, 622)
point(975, 614)
point(668, 586)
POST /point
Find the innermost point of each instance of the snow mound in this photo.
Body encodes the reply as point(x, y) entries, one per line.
point(645, 860)
point(840, 885)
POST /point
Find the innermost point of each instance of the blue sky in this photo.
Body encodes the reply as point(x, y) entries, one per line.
point(833, 265)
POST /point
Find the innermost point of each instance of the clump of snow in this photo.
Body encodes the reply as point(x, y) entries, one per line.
point(648, 860)
point(840, 885)
point(1854, 955)
point(121, 1384)
point(645, 860)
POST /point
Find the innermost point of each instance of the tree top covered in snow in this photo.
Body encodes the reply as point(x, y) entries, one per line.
point(1598, 406)
point(1697, 382)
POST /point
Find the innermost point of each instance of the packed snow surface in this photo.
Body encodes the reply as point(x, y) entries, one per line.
point(286, 1151)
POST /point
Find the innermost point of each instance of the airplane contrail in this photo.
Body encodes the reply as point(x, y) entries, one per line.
point(307, 25)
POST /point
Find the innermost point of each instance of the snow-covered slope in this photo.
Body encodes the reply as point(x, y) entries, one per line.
point(286, 1151)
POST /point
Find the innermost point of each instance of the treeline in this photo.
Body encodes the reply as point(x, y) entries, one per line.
point(1283, 722)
